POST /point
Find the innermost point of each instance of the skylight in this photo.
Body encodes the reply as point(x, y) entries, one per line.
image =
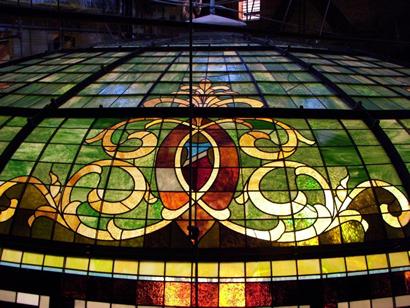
point(249, 9)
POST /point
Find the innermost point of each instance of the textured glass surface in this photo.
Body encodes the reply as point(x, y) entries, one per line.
point(126, 186)
point(34, 83)
point(374, 83)
point(221, 79)
point(9, 127)
point(218, 284)
point(398, 132)
point(213, 271)
point(252, 180)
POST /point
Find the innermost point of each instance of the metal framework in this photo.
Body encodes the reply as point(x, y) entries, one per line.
point(371, 118)
point(56, 284)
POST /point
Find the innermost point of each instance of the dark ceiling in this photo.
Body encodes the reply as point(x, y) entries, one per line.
point(377, 26)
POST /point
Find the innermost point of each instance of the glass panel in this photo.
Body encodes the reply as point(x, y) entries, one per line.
point(35, 84)
point(221, 79)
point(374, 83)
point(291, 181)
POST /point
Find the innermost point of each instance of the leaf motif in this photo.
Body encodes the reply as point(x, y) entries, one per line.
point(55, 185)
point(341, 190)
point(343, 182)
point(243, 198)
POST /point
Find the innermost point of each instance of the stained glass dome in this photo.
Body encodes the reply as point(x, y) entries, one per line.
point(259, 172)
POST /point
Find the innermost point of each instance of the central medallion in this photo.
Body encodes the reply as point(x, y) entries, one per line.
point(205, 167)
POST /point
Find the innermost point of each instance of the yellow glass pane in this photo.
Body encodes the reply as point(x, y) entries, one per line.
point(357, 263)
point(333, 265)
point(383, 302)
point(308, 267)
point(126, 267)
point(9, 255)
point(152, 268)
point(399, 259)
point(402, 301)
point(77, 263)
point(284, 268)
point(232, 269)
point(179, 269)
point(33, 258)
point(258, 269)
point(377, 261)
point(177, 294)
point(101, 265)
point(232, 295)
point(54, 261)
point(208, 269)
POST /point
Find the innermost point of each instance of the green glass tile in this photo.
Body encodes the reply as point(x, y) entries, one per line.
point(129, 101)
point(114, 89)
point(165, 88)
point(51, 122)
point(390, 124)
point(77, 102)
point(59, 153)
point(332, 137)
point(404, 151)
point(296, 89)
point(405, 122)
point(385, 173)
point(16, 168)
point(333, 102)
point(354, 124)
point(318, 89)
point(280, 102)
point(244, 88)
point(100, 101)
point(33, 101)
point(271, 88)
point(89, 154)
point(78, 123)
point(28, 151)
point(69, 136)
point(17, 121)
point(373, 155)
point(139, 88)
point(324, 124)
point(92, 89)
point(398, 136)
point(308, 102)
point(357, 175)
point(363, 137)
point(8, 133)
point(340, 156)
point(10, 99)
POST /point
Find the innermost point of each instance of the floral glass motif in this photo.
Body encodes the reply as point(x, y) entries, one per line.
point(201, 159)
point(204, 95)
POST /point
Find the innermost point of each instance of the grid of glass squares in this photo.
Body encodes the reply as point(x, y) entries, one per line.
point(374, 83)
point(33, 83)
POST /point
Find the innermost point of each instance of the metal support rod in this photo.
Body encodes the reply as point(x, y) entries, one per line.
point(285, 16)
point(212, 7)
point(190, 118)
point(61, 34)
point(20, 34)
point(253, 5)
point(324, 18)
point(193, 229)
